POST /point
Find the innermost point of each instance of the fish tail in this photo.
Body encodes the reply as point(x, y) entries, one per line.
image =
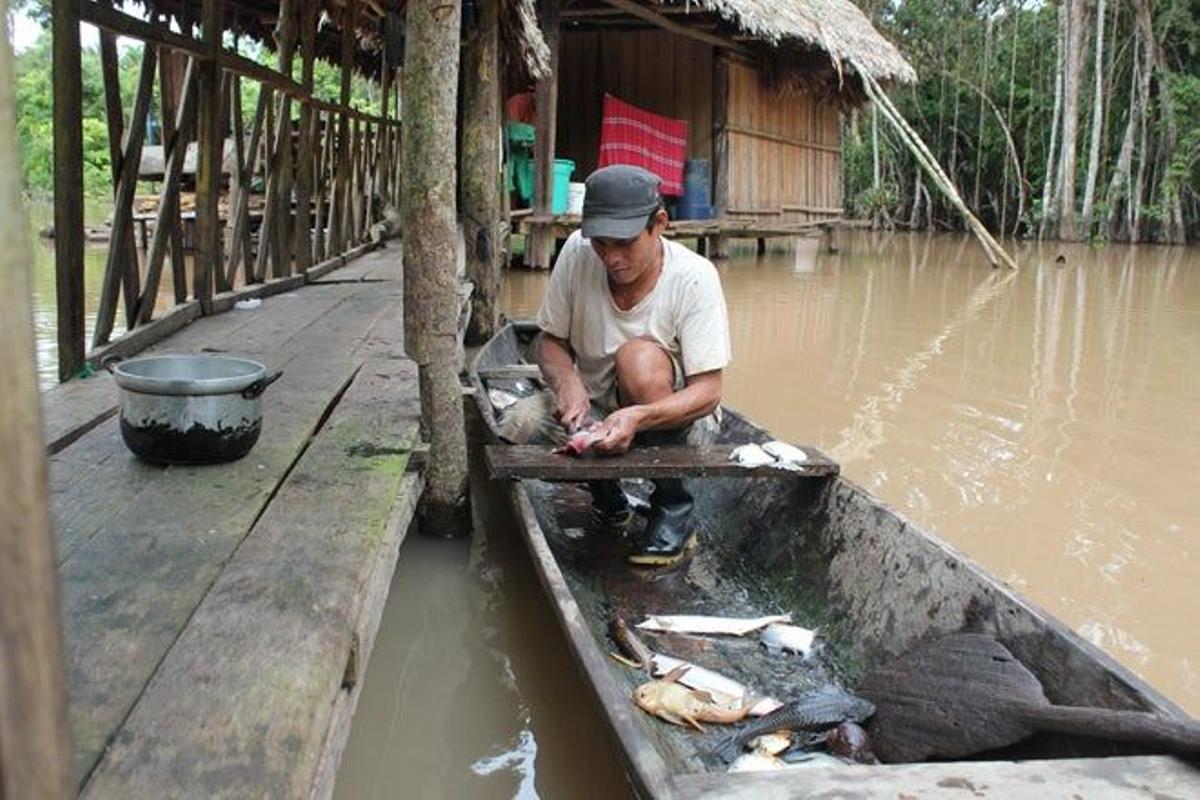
point(728, 749)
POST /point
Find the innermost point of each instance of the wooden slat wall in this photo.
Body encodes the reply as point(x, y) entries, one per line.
point(652, 69)
point(783, 151)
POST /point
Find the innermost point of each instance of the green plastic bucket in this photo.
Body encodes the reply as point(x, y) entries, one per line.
point(563, 167)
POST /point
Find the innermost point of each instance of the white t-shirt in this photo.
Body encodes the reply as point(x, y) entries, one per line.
point(684, 312)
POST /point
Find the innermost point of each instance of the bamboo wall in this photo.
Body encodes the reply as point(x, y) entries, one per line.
point(653, 69)
point(783, 151)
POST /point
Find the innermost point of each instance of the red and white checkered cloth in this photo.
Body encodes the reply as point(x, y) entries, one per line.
point(629, 135)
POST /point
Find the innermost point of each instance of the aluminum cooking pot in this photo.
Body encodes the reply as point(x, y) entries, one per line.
point(190, 409)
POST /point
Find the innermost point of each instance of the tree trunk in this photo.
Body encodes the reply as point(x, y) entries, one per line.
point(987, 56)
point(483, 225)
point(1172, 229)
point(1072, 78)
point(1048, 197)
point(1012, 79)
point(1120, 204)
point(430, 282)
point(1093, 170)
point(35, 749)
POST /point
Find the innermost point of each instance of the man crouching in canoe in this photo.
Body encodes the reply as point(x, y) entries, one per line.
point(634, 335)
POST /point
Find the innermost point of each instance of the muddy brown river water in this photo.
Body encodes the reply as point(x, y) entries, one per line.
point(1046, 423)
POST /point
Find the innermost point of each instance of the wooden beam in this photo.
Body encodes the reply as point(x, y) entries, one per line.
point(211, 142)
point(131, 160)
point(721, 160)
point(170, 91)
point(35, 748)
point(302, 245)
point(655, 18)
point(679, 461)
point(115, 118)
point(68, 187)
point(788, 140)
point(540, 251)
point(166, 223)
point(117, 22)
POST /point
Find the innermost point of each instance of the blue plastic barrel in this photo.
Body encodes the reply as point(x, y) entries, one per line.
point(695, 202)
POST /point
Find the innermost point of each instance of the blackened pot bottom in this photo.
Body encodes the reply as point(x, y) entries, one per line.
point(162, 444)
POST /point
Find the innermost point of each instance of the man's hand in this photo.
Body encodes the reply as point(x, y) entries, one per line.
point(615, 434)
point(571, 405)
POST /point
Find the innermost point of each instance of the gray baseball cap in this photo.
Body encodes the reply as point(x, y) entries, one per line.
point(618, 201)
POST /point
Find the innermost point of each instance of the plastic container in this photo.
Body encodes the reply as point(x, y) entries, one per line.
point(695, 202)
point(575, 193)
point(563, 167)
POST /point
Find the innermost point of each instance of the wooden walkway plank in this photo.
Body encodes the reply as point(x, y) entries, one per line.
point(90, 487)
point(131, 586)
point(537, 461)
point(265, 657)
point(384, 264)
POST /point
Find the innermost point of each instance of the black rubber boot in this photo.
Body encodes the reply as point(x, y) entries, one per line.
point(669, 533)
point(610, 507)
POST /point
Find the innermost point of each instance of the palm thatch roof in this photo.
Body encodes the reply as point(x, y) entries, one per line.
point(836, 26)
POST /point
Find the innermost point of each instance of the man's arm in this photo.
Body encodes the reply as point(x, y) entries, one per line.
point(557, 362)
point(700, 396)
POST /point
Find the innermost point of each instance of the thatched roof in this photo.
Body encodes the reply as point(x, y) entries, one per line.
point(836, 26)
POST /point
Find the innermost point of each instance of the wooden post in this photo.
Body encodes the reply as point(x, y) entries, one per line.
point(115, 270)
point(115, 117)
point(208, 258)
point(719, 245)
point(481, 189)
point(430, 282)
point(540, 252)
point(166, 225)
point(341, 194)
point(169, 90)
point(68, 187)
point(274, 244)
point(324, 158)
point(239, 242)
point(35, 749)
point(303, 244)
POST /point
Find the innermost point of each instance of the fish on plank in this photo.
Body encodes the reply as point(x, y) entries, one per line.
point(817, 711)
point(779, 637)
point(694, 623)
point(669, 700)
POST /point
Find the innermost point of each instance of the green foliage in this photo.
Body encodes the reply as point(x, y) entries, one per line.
point(35, 103)
point(1002, 46)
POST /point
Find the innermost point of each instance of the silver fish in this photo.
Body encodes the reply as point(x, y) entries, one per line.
point(785, 452)
point(729, 626)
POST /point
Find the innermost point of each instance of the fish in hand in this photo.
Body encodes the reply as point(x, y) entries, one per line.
point(670, 700)
point(818, 710)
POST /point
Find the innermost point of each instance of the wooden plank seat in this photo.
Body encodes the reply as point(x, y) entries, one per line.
point(538, 461)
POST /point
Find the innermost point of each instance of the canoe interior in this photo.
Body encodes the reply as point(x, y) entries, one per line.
point(826, 551)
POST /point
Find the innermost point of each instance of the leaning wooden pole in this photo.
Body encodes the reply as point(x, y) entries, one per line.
point(481, 191)
point(430, 284)
point(540, 252)
point(35, 750)
point(992, 249)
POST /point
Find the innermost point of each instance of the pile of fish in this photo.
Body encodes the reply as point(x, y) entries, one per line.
point(782, 733)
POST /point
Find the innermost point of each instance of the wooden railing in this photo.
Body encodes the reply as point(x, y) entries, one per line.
point(326, 170)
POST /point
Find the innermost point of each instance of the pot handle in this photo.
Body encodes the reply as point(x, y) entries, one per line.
point(109, 362)
point(259, 386)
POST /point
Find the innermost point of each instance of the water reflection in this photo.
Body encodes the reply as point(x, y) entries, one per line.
point(1044, 421)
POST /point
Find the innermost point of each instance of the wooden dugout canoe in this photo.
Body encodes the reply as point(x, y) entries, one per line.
point(838, 559)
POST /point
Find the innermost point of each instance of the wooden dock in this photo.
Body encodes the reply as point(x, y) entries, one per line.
point(218, 619)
